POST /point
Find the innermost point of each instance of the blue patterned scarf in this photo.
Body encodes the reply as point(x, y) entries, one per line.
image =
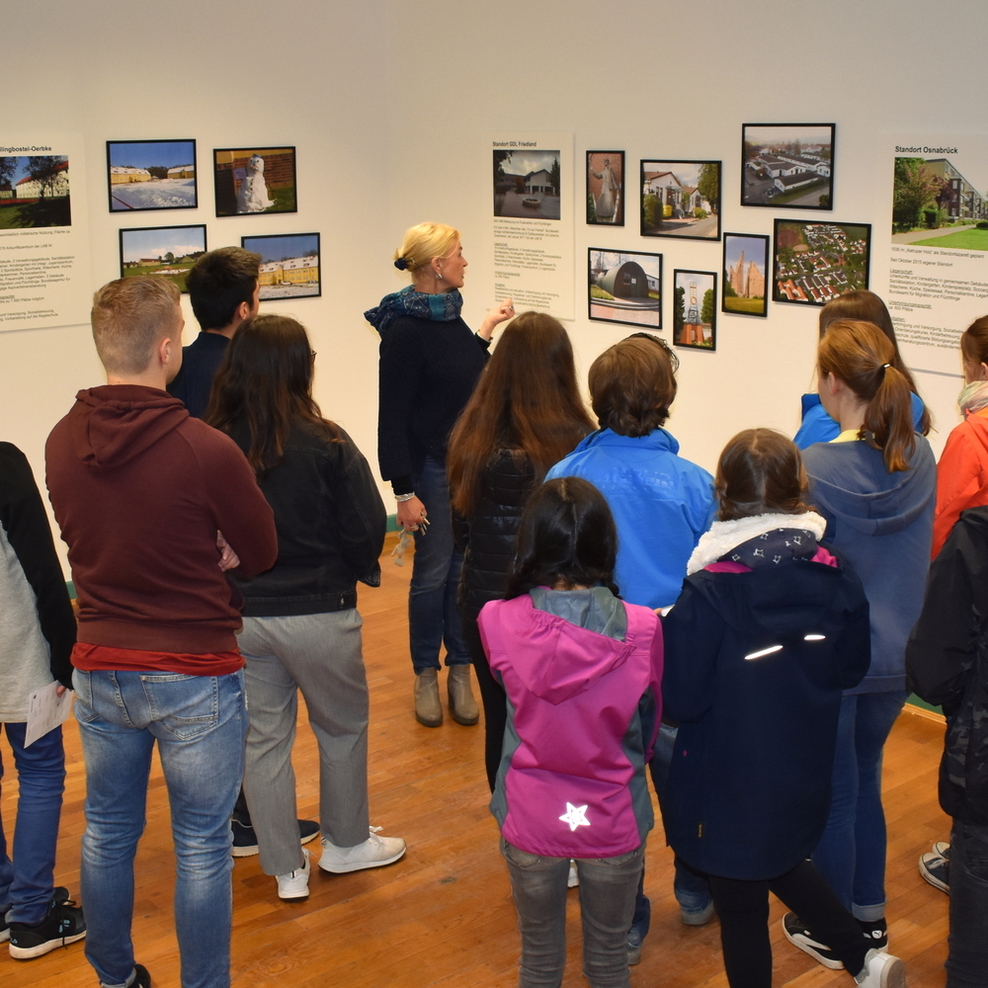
point(444, 307)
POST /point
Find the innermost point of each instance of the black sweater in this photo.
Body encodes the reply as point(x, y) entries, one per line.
point(428, 371)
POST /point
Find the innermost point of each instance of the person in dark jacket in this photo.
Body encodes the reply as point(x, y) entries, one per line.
point(301, 626)
point(430, 362)
point(525, 414)
point(768, 631)
point(947, 664)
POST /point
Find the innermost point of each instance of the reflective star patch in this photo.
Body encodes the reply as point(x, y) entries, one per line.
point(575, 816)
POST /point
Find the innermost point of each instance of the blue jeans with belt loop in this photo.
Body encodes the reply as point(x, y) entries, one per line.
point(199, 724)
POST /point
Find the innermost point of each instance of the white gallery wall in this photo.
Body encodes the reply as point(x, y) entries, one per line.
point(391, 105)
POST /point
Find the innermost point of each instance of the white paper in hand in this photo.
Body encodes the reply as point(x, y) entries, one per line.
point(45, 711)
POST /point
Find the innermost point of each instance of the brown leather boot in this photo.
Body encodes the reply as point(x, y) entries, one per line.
point(428, 709)
point(462, 705)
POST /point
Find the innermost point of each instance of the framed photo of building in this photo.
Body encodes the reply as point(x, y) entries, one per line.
point(694, 313)
point(162, 251)
point(290, 264)
point(527, 183)
point(787, 166)
point(815, 262)
point(143, 175)
point(625, 287)
point(254, 180)
point(680, 199)
point(605, 188)
point(745, 274)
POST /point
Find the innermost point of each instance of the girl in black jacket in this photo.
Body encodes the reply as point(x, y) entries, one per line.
point(768, 631)
point(525, 415)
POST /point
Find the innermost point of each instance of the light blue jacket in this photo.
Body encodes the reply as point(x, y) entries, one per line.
point(818, 427)
point(661, 504)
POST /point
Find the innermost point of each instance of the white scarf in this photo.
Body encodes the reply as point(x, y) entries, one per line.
point(723, 536)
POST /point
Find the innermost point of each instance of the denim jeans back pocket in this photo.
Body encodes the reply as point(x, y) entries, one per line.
point(82, 684)
point(184, 706)
point(520, 858)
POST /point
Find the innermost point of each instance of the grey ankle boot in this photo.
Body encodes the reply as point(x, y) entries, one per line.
point(428, 709)
point(462, 705)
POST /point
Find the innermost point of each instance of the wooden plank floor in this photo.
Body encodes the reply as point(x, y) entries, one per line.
point(443, 915)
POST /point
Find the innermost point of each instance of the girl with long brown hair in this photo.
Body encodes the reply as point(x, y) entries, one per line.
point(875, 486)
point(525, 414)
point(301, 628)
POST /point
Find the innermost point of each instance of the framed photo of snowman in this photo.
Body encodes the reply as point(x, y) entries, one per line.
point(254, 180)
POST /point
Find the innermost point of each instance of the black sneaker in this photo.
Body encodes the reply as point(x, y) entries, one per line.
point(141, 977)
point(877, 933)
point(934, 866)
point(63, 925)
point(797, 933)
point(245, 839)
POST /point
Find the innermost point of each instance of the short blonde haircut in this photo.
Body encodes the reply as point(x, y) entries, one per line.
point(129, 317)
point(424, 242)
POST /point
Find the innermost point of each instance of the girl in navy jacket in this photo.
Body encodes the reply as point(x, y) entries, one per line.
point(768, 631)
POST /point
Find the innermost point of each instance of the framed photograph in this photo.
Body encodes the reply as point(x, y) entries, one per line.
point(254, 180)
point(681, 199)
point(745, 274)
point(163, 251)
point(625, 287)
point(526, 184)
point(815, 262)
point(289, 264)
point(787, 166)
point(143, 175)
point(605, 187)
point(34, 192)
point(695, 309)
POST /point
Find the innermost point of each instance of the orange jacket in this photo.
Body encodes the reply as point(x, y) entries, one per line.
point(962, 475)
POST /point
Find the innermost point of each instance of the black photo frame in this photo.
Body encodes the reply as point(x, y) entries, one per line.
point(149, 175)
point(694, 313)
point(165, 251)
point(254, 180)
point(605, 188)
point(788, 166)
point(625, 286)
point(745, 270)
point(290, 264)
point(815, 261)
point(680, 199)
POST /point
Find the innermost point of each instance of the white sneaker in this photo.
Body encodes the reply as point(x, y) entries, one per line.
point(882, 970)
point(375, 852)
point(573, 878)
point(295, 885)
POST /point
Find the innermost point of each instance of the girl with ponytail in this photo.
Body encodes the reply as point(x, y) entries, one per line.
point(875, 485)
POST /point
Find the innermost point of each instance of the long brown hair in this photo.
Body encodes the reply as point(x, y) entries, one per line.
point(527, 401)
point(265, 382)
point(861, 355)
point(974, 341)
point(864, 306)
point(760, 471)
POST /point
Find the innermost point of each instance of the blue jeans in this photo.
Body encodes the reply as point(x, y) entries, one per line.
point(607, 901)
point(27, 880)
point(967, 957)
point(199, 724)
point(851, 852)
point(433, 617)
point(691, 888)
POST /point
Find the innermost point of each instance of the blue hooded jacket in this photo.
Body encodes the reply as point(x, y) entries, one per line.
point(661, 504)
point(883, 524)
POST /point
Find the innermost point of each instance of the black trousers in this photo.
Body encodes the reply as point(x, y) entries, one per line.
point(743, 910)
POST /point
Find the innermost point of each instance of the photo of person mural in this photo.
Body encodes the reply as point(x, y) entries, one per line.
point(605, 187)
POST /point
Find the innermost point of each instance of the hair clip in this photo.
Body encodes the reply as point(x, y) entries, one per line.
point(400, 263)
